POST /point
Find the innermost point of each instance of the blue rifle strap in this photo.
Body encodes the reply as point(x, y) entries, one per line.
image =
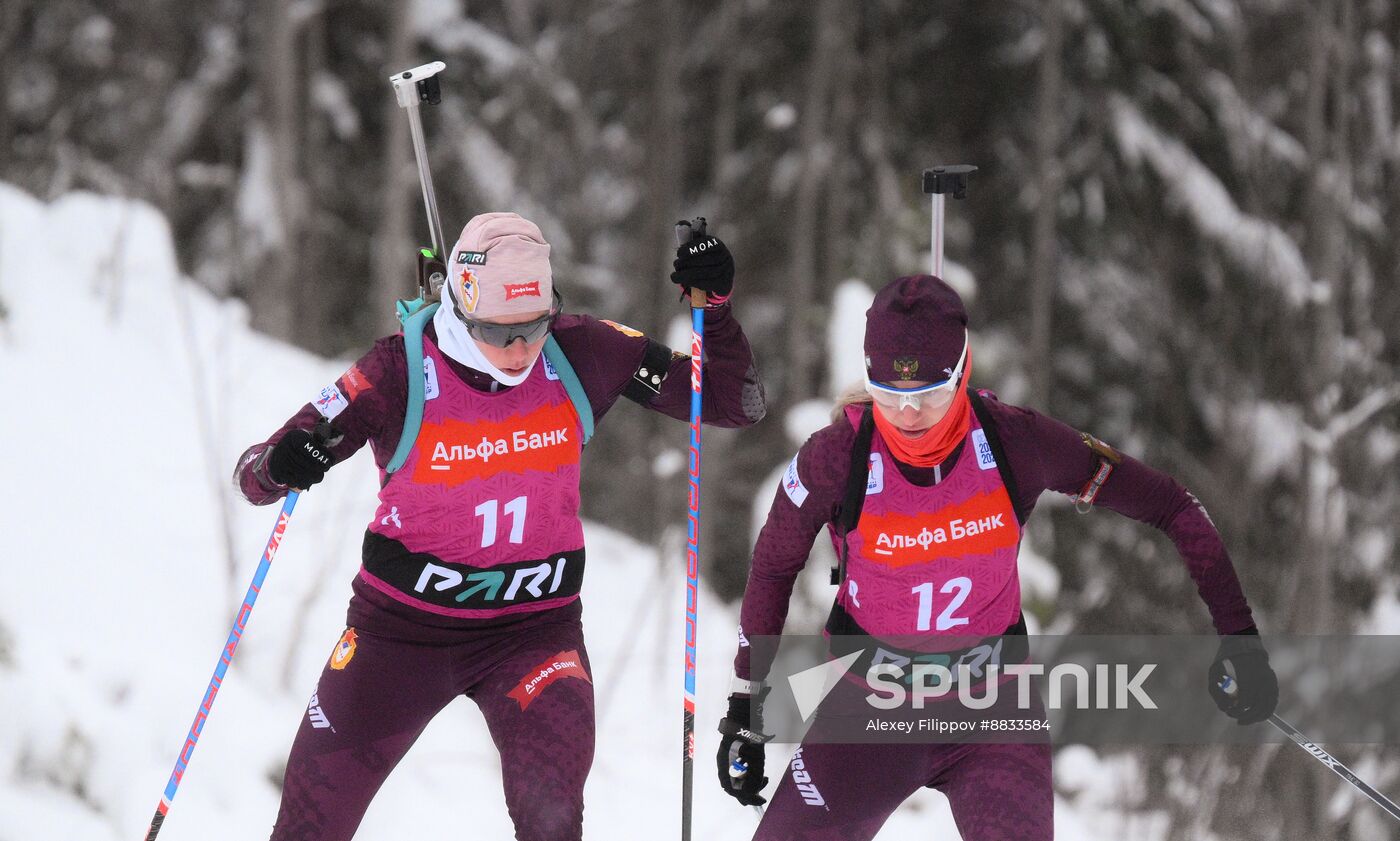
point(556, 358)
point(414, 315)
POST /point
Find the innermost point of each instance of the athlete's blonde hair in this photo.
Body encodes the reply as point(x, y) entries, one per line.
point(853, 396)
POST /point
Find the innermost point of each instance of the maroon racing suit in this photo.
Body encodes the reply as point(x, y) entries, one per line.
point(431, 617)
point(996, 791)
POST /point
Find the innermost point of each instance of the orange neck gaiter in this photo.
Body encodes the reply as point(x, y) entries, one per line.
point(940, 440)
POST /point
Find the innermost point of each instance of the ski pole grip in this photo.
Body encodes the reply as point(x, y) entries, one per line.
point(689, 230)
point(325, 434)
point(685, 232)
point(1227, 685)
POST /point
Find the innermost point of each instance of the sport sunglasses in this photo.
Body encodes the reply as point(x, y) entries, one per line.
point(936, 395)
point(502, 335)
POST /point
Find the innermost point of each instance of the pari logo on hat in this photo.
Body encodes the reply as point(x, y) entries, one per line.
point(468, 290)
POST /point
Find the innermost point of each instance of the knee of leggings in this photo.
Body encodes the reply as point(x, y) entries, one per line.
point(549, 819)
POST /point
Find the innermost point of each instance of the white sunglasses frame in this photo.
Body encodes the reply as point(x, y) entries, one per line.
point(913, 397)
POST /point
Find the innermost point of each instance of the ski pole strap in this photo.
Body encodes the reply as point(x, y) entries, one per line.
point(414, 316)
point(856, 482)
point(554, 355)
point(730, 727)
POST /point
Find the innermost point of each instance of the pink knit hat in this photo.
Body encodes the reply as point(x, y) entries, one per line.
point(500, 266)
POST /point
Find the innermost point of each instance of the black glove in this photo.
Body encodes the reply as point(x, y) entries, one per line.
point(1250, 691)
point(740, 756)
point(301, 458)
point(703, 263)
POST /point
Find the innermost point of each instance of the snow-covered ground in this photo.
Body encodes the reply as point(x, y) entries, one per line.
point(129, 393)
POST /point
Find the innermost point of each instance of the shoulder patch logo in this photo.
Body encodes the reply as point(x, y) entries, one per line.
point(549, 372)
point(1101, 449)
point(354, 381)
point(430, 380)
point(331, 402)
point(792, 484)
point(624, 329)
point(875, 482)
point(985, 459)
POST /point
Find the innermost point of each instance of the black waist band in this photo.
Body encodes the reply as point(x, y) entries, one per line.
point(1011, 646)
point(429, 579)
point(841, 622)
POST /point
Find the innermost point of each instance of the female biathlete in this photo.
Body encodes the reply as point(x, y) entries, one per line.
point(473, 561)
point(942, 459)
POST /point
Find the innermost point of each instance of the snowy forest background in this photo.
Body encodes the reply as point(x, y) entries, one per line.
point(1180, 239)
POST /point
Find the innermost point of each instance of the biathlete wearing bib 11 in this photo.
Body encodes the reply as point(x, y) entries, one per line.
point(474, 556)
point(482, 464)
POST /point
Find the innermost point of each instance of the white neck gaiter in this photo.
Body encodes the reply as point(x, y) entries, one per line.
point(454, 341)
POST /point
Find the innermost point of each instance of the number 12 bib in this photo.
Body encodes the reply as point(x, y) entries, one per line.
point(934, 560)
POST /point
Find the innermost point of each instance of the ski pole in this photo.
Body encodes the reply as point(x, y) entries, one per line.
point(684, 232)
point(1227, 685)
point(938, 181)
point(240, 622)
point(413, 87)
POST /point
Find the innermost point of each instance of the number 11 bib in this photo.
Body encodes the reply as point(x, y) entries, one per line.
point(483, 517)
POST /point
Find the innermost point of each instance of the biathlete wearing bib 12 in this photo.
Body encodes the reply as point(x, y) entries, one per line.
point(473, 560)
point(951, 476)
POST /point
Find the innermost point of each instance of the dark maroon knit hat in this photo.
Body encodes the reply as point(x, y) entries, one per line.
point(914, 330)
